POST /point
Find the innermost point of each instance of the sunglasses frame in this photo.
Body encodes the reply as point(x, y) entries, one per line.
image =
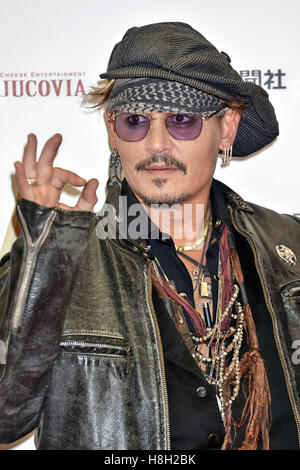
point(149, 116)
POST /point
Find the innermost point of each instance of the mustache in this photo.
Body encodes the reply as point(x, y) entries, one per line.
point(166, 158)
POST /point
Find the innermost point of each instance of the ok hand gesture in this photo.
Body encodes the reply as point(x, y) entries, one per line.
point(40, 182)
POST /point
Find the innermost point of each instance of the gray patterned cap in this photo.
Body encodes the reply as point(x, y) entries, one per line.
point(177, 52)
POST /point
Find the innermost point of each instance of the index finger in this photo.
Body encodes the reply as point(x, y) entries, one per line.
point(45, 162)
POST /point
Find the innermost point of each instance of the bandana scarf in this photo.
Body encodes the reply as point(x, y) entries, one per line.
point(142, 95)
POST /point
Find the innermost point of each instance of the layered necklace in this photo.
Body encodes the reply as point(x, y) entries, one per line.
point(215, 345)
point(200, 275)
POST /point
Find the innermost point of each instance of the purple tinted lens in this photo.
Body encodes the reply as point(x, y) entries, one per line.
point(184, 126)
point(134, 127)
point(131, 127)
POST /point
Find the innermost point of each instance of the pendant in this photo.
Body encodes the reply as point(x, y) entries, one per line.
point(204, 289)
point(207, 316)
point(195, 273)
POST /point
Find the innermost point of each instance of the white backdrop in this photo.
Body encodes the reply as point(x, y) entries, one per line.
point(52, 50)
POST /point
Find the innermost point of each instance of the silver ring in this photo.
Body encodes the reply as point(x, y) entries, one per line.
point(31, 181)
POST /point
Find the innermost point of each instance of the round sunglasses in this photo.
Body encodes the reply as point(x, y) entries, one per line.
point(134, 127)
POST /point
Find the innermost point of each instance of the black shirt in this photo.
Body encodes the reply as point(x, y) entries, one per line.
point(195, 420)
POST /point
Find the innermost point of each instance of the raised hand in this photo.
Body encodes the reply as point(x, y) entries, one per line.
point(40, 182)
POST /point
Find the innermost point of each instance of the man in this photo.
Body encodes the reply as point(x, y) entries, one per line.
point(161, 340)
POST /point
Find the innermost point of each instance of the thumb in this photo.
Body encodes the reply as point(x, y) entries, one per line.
point(88, 198)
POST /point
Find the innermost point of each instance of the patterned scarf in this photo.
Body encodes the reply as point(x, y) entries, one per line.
point(150, 95)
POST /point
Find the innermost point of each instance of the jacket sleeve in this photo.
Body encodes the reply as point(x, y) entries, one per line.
point(36, 282)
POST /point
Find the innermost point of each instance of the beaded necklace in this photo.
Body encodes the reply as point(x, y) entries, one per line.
point(221, 363)
point(224, 338)
point(222, 341)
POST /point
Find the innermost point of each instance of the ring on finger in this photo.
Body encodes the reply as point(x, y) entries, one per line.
point(31, 181)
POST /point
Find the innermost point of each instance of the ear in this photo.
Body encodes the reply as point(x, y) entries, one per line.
point(110, 130)
point(229, 127)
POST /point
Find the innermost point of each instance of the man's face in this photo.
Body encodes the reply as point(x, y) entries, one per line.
point(160, 169)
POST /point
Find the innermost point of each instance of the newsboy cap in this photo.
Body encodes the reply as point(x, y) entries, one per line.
point(175, 51)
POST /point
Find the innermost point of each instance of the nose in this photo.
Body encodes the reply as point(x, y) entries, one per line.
point(158, 138)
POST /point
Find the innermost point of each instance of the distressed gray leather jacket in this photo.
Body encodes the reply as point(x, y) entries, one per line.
point(81, 352)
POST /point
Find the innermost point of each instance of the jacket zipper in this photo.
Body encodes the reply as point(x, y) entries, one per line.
point(117, 347)
point(243, 234)
point(162, 361)
point(32, 250)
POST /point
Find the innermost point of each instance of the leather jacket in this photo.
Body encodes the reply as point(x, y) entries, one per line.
point(81, 348)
